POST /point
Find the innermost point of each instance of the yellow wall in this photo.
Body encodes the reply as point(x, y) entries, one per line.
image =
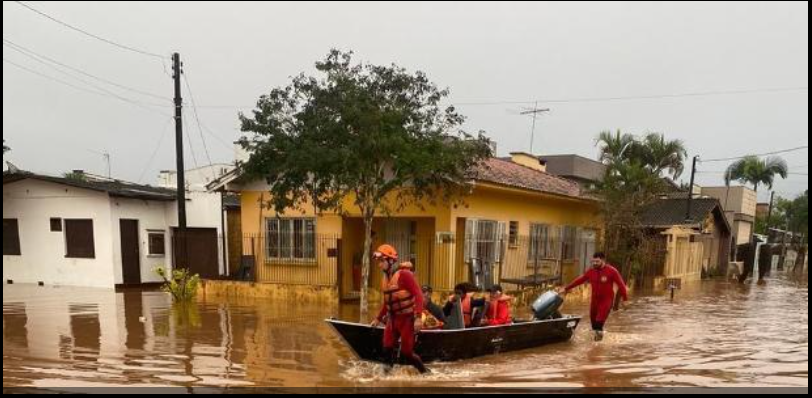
point(487, 202)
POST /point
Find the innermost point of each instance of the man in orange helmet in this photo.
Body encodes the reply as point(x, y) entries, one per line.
point(401, 310)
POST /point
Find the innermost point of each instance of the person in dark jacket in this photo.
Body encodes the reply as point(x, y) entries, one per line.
point(433, 315)
point(464, 292)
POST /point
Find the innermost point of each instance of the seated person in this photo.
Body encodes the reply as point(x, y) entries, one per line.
point(498, 312)
point(464, 293)
point(433, 316)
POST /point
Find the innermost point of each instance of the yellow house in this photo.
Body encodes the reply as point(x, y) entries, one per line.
point(520, 226)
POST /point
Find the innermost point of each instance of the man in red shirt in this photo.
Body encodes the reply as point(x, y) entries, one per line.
point(603, 278)
point(402, 309)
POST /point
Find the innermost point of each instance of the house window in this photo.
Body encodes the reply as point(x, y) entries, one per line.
point(157, 243)
point(542, 243)
point(513, 238)
point(56, 225)
point(79, 240)
point(484, 240)
point(11, 238)
point(569, 243)
point(291, 238)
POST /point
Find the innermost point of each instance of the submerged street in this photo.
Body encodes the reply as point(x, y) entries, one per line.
point(715, 334)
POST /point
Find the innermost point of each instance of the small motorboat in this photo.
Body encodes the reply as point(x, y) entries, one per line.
point(462, 344)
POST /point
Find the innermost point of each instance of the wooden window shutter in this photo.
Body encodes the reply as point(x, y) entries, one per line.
point(79, 239)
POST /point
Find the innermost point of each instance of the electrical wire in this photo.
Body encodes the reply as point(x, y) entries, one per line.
point(91, 35)
point(24, 50)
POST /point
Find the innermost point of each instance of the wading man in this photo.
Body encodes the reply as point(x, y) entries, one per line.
point(401, 311)
point(603, 279)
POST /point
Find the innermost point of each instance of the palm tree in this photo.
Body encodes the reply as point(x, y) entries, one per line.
point(757, 172)
point(614, 147)
point(661, 155)
point(654, 152)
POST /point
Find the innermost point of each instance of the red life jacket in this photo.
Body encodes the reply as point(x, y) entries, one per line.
point(495, 307)
point(398, 301)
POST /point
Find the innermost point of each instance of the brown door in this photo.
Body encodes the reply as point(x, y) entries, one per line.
point(130, 252)
point(199, 253)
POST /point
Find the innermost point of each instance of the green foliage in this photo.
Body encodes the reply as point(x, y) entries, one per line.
point(180, 283)
point(756, 171)
point(75, 176)
point(792, 215)
point(652, 152)
point(377, 134)
point(636, 168)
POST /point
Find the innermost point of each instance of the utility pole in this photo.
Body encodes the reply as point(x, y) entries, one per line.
point(177, 70)
point(535, 112)
point(770, 212)
point(689, 215)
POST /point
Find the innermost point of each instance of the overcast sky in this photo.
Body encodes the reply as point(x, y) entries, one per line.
point(484, 52)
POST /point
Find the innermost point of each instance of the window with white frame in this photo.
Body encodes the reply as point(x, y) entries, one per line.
point(291, 238)
point(569, 243)
point(542, 243)
point(484, 240)
point(157, 243)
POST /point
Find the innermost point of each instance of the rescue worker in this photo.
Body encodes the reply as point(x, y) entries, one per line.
point(401, 310)
point(433, 316)
point(498, 312)
point(603, 279)
point(465, 294)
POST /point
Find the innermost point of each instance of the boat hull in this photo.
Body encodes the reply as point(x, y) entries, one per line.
point(458, 345)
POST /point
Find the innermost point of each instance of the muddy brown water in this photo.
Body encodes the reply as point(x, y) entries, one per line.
point(714, 334)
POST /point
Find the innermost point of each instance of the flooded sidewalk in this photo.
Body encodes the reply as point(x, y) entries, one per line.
point(716, 334)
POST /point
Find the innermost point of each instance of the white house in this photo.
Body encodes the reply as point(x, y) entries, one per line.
point(95, 232)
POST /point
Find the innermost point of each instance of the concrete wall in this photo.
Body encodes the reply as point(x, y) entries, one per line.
point(33, 204)
point(151, 216)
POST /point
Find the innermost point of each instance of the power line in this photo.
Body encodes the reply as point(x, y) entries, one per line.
point(156, 150)
point(94, 36)
point(587, 99)
point(725, 173)
point(197, 119)
point(640, 97)
point(21, 49)
point(102, 92)
point(780, 152)
point(191, 146)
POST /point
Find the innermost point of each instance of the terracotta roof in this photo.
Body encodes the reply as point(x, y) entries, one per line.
point(115, 188)
point(507, 173)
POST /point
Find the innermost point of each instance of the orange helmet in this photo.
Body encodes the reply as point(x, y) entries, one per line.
point(386, 251)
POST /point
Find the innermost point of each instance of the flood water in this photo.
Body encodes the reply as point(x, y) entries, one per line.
point(715, 334)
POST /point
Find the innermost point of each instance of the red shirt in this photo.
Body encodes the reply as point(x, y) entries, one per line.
point(603, 282)
point(408, 283)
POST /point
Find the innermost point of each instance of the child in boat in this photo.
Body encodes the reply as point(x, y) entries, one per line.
point(465, 294)
point(433, 316)
point(498, 312)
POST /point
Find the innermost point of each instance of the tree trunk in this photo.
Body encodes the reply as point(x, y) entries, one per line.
point(365, 267)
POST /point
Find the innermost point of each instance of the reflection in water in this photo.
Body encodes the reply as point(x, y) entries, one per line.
point(715, 334)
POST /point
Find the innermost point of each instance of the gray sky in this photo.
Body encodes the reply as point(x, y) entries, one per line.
point(484, 52)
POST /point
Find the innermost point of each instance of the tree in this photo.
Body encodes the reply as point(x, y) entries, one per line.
point(635, 168)
point(374, 136)
point(662, 156)
point(757, 172)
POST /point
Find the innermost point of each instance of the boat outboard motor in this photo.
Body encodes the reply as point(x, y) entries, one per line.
point(547, 306)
